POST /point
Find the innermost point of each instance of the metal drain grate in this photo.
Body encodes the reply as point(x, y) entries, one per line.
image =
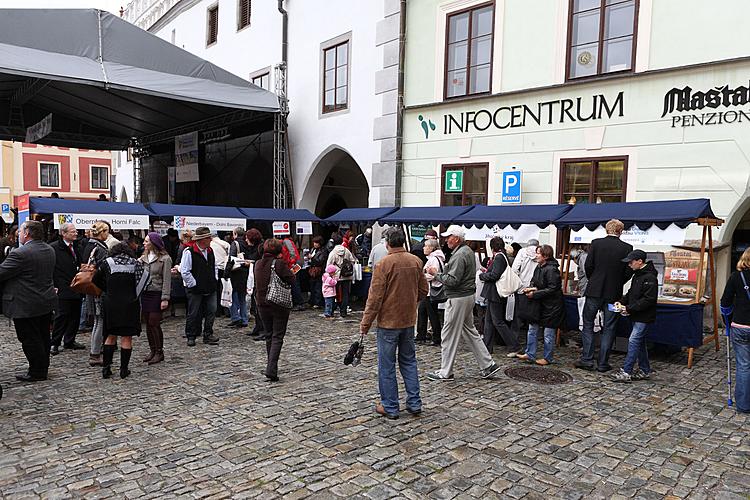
point(538, 375)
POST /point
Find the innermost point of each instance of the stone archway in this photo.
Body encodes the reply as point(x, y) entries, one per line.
point(335, 182)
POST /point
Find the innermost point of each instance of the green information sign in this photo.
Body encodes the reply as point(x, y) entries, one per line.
point(454, 181)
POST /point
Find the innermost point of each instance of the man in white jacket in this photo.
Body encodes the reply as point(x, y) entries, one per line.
point(524, 266)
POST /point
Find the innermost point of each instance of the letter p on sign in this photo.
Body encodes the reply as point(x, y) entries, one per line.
point(511, 189)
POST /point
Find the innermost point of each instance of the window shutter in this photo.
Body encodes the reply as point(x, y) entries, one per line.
point(244, 14)
point(213, 25)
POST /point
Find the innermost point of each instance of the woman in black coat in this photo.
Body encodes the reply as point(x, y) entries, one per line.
point(318, 259)
point(275, 317)
point(546, 299)
point(122, 278)
point(495, 324)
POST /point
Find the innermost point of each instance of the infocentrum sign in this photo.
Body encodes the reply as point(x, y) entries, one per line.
point(558, 111)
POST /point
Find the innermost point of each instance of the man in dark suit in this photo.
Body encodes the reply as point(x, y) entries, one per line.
point(29, 296)
point(606, 274)
point(68, 313)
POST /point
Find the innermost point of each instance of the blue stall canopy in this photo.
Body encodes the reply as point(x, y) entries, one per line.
point(278, 214)
point(64, 206)
point(165, 210)
point(513, 215)
point(352, 215)
point(642, 214)
point(425, 215)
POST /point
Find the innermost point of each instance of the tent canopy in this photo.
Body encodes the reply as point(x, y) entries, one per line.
point(642, 214)
point(514, 216)
point(62, 206)
point(425, 215)
point(106, 81)
point(278, 214)
point(165, 210)
point(353, 215)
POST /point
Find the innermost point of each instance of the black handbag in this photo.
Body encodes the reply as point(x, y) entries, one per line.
point(527, 309)
point(437, 294)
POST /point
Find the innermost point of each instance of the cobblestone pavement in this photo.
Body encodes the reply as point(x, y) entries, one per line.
point(205, 424)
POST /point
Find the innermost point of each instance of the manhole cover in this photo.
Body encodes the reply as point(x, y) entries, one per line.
point(538, 375)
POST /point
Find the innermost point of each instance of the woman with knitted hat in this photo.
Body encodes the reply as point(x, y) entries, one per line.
point(155, 298)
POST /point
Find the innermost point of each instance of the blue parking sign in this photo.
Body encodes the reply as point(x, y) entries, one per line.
point(511, 188)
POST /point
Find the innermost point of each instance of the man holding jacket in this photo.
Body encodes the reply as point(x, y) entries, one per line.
point(398, 284)
point(607, 274)
point(458, 279)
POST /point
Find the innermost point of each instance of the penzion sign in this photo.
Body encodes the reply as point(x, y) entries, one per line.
point(685, 99)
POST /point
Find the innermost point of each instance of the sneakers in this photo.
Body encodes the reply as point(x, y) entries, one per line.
point(639, 375)
point(438, 376)
point(621, 376)
point(511, 355)
point(490, 370)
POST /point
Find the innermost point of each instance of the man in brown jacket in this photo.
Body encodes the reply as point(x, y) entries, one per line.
point(398, 285)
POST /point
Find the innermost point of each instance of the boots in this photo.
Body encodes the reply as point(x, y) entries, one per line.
point(158, 356)
point(151, 344)
point(108, 352)
point(124, 361)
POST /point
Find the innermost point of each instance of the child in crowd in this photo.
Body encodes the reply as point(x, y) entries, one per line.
point(329, 289)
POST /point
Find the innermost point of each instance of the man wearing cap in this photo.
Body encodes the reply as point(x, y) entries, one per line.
point(200, 274)
point(640, 305)
point(459, 281)
point(607, 274)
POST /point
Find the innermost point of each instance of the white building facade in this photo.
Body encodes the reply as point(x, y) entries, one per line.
point(342, 77)
point(592, 100)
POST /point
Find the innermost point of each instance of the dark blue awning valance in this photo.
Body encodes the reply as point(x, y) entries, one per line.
point(513, 215)
point(166, 210)
point(278, 214)
point(63, 206)
point(425, 215)
point(352, 215)
point(642, 214)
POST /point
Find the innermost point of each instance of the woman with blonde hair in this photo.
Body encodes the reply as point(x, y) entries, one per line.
point(735, 302)
point(96, 253)
point(155, 298)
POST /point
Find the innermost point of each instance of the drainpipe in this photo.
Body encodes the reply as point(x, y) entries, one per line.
point(400, 104)
point(284, 30)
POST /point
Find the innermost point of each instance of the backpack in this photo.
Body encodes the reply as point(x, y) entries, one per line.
point(347, 269)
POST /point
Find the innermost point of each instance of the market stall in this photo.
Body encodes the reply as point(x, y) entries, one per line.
point(359, 215)
point(513, 222)
point(83, 213)
point(687, 279)
point(193, 216)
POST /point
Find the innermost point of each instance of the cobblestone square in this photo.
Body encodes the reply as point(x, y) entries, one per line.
point(206, 424)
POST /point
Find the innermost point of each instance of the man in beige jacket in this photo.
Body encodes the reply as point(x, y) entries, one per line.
point(398, 285)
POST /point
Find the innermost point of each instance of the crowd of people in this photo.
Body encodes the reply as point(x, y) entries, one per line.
point(438, 293)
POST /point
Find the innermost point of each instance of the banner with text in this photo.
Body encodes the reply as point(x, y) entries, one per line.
point(118, 222)
point(653, 236)
point(182, 223)
point(523, 234)
point(186, 157)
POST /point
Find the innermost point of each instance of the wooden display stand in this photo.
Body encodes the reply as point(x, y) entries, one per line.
point(707, 250)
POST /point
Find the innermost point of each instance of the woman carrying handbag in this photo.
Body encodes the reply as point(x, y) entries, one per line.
point(95, 254)
point(273, 282)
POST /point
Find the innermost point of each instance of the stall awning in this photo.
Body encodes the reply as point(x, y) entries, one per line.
point(165, 210)
point(366, 215)
point(278, 214)
point(642, 214)
point(63, 206)
point(106, 81)
point(425, 215)
point(514, 216)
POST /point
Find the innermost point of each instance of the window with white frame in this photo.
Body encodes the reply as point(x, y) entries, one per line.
point(49, 175)
point(336, 77)
point(262, 80)
point(99, 177)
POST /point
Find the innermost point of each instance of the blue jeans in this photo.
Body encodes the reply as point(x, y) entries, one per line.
point(390, 341)
point(549, 342)
point(238, 310)
point(741, 344)
point(594, 305)
point(297, 298)
point(328, 311)
point(637, 349)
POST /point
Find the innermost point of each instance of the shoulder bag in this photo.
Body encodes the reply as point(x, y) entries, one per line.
point(509, 283)
point(437, 293)
point(279, 293)
point(83, 281)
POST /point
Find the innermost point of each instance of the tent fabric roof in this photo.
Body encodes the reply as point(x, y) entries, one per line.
point(352, 215)
point(98, 73)
point(513, 215)
point(166, 210)
point(278, 214)
point(63, 206)
point(643, 214)
point(426, 215)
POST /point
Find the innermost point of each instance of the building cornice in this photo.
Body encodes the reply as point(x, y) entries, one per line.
point(146, 14)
